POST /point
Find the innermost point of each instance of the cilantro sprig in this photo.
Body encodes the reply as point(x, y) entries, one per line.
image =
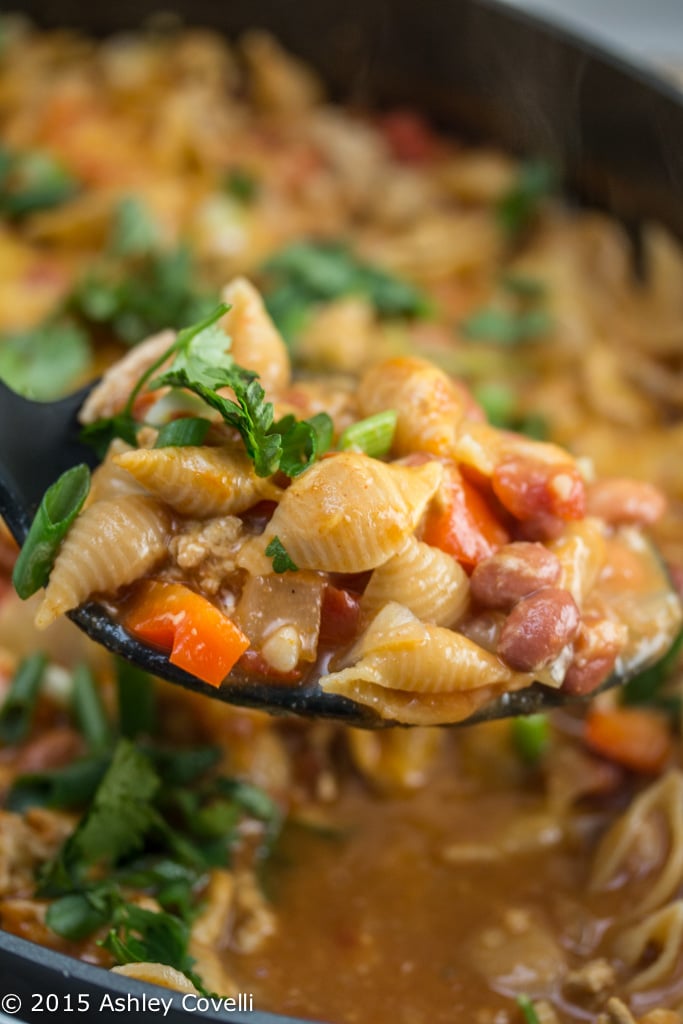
point(137, 835)
point(202, 364)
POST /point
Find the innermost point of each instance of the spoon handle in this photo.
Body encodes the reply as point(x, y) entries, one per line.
point(38, 442)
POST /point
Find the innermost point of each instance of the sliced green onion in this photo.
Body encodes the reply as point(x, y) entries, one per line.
point(374, 435)
point(17, 710)
point(188, 430)
point(67, 788)
point(528, 1010)
point(89, 710)
point(60, 505)
point(182, 767)
point(531, 737)
point(137, 703)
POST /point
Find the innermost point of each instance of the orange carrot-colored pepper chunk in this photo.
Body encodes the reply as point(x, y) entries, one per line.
point(200, 638)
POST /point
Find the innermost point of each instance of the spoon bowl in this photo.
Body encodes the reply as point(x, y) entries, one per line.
point(41, 440)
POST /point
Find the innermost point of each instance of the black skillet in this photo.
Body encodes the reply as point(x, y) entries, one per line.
point(475, 67)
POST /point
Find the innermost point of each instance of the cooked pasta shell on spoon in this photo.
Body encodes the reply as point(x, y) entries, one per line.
point(422, 578)
point(428, 403)
point(198, 481)
point(349, 513)
point(398, 652)
point(256, 342)
point(413, 708)
point(110, 544)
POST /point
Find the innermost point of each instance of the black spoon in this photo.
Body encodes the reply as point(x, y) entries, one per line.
point(40, 440)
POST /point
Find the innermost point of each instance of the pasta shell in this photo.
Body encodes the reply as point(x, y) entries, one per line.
point(110, 544)
point(412, 708)
point(198, 481)
point(109, 480)
point(401, 653)
point(482, 447)
point(256, 342)
point(660, 934)
point(111, 394)
point(428, 404)
point(350, 513)
point(422, 578)
point(659, 808)
point(157, 974)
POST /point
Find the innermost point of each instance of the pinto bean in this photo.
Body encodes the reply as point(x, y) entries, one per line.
point(619, 500)
point(529, 488)
point(596, 648)
point(512, 573)
point(537, 629)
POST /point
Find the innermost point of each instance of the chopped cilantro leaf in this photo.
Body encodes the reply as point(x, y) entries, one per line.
point(517, 208)
point(281, 560)
point(241, 185)
point(31, 181)
point(504, 327)
point(46, 361)
point(304, 274)
point(134, 231)
point(158, 290)
point(119, 817)
point(188, 430)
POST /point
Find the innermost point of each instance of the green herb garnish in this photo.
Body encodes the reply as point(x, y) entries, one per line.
point(60, 505)
point(528, 1010)
point(16, 714)
point(203, 366)
point(46, 361)
point(241, 185)
point(281, 560)
point(373, 435)
point(305, 274)
point(136, 700)
point(507, 327)
point(180, 433)
point(137, 833)
point(517, 208)
point(531, 737)
point(89, 710)
point(119, 818)
point(499, 402)
point(31, 181)
point(134, 231)
point(140, 296)
point(64, 788)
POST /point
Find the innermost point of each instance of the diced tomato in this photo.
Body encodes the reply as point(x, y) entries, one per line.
point(409, 136)
point(462, 523)
point(339, 616)
point(201, 639)
point(528, 488)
